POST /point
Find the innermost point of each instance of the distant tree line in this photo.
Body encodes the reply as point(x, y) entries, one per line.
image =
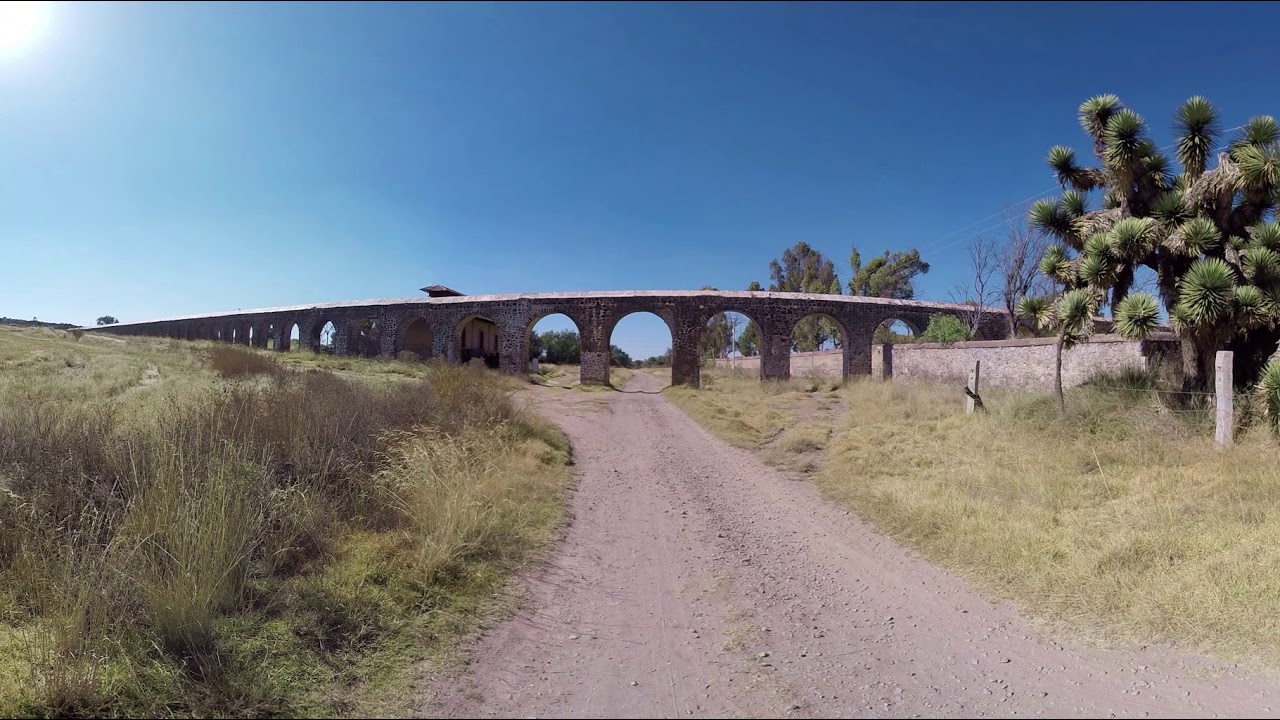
point(564, 347)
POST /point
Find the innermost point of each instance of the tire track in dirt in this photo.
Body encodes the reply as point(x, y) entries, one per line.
point(695, 581)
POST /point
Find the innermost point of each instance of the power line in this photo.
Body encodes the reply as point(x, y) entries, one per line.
point(935, 248)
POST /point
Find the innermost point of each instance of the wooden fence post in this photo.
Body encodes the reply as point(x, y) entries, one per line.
point(1224, 400)
point(972, 399)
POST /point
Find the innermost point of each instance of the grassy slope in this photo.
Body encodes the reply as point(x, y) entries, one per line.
point(1118, 518)
point(329, 622)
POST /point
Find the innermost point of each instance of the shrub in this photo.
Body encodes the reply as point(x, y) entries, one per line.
point(1267, 395)
point(945, 329)
point(231, 361)
point(142, 539)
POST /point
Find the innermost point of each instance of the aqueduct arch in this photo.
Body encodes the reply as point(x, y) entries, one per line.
point(414, 322)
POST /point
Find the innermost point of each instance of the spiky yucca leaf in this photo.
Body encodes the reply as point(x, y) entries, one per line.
point(1206, 291)
point(1123, 136)
point(1095, 112)
point(1265, 235)
point(1075, 203)
point(1110, 200)
point(1075, 310)
point(1137, 315)
point(1157, 166)
point(1197, 130)
point(1251, 307)
point(1063, 161)
point(1267, 391)
point(1038, 309)
point(1057, 265)
point(1260, 131)
point(1051, 217)
point(1261, 266)
point(1097, 270)
point(1181, 321)
point(1259, 166)
point(1133, 237)
point(1168, 208)
point(1098, 245)
point(1194, 237)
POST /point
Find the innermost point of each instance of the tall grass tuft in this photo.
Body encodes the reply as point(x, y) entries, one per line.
point(234, 541)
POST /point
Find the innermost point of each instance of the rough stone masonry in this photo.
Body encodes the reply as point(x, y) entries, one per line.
point(393, 322)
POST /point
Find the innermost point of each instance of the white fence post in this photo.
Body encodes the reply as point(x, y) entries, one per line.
point(1224, 400)
point(972, 388)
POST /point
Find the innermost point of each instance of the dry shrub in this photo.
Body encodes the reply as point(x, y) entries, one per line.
point(232, 361)
point(124, 532)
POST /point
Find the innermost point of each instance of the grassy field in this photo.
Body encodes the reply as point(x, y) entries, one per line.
point(1118, 518)
point(191, 530)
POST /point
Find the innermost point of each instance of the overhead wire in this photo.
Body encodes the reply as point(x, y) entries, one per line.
point(935, 248)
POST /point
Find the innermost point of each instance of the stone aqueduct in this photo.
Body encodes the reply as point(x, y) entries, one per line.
point(406, 321)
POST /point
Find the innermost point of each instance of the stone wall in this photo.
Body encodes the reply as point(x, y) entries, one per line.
point(1025, 364)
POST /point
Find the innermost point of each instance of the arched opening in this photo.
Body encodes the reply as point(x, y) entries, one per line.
point(817, 347)
point(254, 336)
point(730, 342)
point(893, 331)
point(477, 338)
point(365, 339)
point(262, 335)
point(415, 338)
point(291, 338)
point(326, 338)
point(555, 350)
point(644, 340)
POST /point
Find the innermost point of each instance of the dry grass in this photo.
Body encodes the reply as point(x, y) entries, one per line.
point(1118, 518)
point(570, 376)
point(230, 361)
point(196, 532)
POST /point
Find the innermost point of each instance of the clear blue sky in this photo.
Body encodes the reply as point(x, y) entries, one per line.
point(161, 160)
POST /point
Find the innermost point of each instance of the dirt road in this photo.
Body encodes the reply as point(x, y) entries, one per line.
point(697, 581)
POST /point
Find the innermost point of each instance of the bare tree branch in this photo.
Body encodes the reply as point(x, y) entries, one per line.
point(980, 289)
point(1020, 264)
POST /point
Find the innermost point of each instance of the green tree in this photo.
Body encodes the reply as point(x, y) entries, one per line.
point(107, 320)
point(717, 339)
point(748, 342)
point(663, 360)
point(891, 275)
point(945, 329)
point(803, 269)
point(562, 347)
point(1204, 232)
point(619, 357)
point(536, 346)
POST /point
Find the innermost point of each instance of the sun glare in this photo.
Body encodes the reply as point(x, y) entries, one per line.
point(22, 24)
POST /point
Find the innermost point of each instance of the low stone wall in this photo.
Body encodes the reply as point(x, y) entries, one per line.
point(1025, 364)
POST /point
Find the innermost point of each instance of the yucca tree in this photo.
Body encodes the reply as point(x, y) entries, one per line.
point(1070, 315)
point(1202, 231)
